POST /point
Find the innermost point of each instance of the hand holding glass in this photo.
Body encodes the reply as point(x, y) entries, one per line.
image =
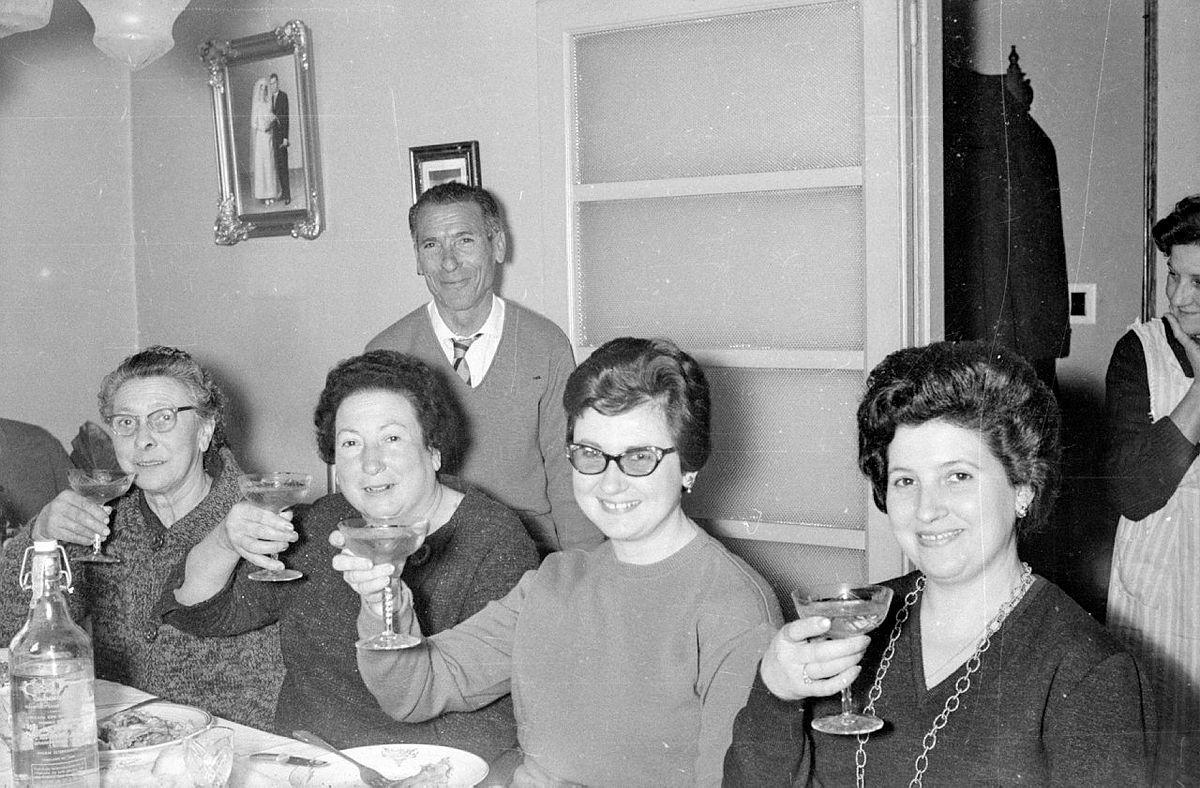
point(385, 542)
point(99, 486)
point(851, 612)
point(275, 492)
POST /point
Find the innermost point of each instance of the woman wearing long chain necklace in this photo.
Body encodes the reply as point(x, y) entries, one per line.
point(983, 672)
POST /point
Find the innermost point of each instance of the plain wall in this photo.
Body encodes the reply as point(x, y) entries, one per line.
point(110, 195)
point(273, 315)
point(67, 293)
point(1178, 114)
point(270, 316)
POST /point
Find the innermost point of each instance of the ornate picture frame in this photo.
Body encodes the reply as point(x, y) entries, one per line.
point(452, 161)
point(268, 160)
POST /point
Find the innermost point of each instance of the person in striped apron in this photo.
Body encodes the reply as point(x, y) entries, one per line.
point(1153, 418)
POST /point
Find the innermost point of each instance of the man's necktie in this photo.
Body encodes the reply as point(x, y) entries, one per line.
point(460, 356)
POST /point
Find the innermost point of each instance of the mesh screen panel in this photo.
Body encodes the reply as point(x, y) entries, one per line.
point(784, 448)
point(790, 566)
point(762, 91)
point(777, 269)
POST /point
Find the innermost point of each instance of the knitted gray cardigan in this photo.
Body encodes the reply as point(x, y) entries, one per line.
point(235, 677)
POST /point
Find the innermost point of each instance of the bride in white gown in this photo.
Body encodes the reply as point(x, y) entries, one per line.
point(265, 178)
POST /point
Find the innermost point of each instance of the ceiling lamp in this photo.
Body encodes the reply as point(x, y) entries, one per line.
point(17, 16)
point(134, 32)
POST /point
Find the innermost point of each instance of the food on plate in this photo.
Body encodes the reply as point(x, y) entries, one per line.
point(431, 774)
point(129, 729)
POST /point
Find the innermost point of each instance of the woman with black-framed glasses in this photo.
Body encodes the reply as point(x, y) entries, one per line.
point(626, 662)
point(166, 416)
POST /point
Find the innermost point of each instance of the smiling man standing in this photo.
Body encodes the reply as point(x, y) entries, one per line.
point(509, 364)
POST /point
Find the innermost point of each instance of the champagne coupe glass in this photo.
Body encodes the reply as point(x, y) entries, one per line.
point(851, 611)
point(385, 542)
point(275, 492)
point(99, 486)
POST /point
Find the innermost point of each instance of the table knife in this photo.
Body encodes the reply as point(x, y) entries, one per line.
point(288, 760)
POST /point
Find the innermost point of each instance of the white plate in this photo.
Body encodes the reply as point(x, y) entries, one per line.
point(394, 761)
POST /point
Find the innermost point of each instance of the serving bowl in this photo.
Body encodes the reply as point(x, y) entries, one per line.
point(136, 765)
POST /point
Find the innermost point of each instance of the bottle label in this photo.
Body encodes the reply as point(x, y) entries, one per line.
point(54, 724)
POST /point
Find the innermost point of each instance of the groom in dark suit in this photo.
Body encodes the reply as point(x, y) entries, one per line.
point(279, 137)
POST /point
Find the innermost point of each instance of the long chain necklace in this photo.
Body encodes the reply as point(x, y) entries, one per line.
point(960, 686)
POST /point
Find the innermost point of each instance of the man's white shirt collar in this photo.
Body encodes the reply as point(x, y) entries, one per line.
point(482, 350)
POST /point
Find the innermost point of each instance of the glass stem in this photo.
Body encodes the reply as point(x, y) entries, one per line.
point(847, 702)
point(389, 602)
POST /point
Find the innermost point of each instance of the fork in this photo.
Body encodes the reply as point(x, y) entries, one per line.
point(368, 775)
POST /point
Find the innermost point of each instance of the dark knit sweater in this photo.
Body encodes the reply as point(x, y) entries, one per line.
point(516, 422)
point(237, 678)
point(1056, 701)
point(478, 556)
point(33, 469)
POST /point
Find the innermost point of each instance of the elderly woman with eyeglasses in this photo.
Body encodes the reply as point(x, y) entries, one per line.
point(165, 413)
point(626, 662)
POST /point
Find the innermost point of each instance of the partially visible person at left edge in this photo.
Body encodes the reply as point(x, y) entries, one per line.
point(33, 469)
point(508, 365)
point(166, 416)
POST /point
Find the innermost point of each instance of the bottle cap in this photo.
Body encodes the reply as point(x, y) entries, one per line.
point(45, 545)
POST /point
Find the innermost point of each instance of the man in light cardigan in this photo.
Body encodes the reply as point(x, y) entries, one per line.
point(508, 364)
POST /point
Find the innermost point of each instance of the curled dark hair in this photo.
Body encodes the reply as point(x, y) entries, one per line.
point(976, 386)
point(386, 370)
point(1180, 227)
point(627, 372)
point(160, 361)
point(452, 193)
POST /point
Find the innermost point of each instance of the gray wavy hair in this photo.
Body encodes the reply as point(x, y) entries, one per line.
point(161, 361)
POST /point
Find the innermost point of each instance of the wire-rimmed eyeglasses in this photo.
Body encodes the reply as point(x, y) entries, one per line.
point(161, 420)
point(637, 461)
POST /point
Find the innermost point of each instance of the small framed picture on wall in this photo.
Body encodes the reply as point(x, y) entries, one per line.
point(434, 164)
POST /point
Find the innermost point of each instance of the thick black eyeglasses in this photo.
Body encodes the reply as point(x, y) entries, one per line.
point(638, 461)
point(161, 420)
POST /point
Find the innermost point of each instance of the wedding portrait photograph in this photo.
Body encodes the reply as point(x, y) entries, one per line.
point(269, 153)
point(264, 111)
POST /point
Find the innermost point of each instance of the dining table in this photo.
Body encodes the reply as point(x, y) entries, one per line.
point(112, 697)
point(247, 772)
